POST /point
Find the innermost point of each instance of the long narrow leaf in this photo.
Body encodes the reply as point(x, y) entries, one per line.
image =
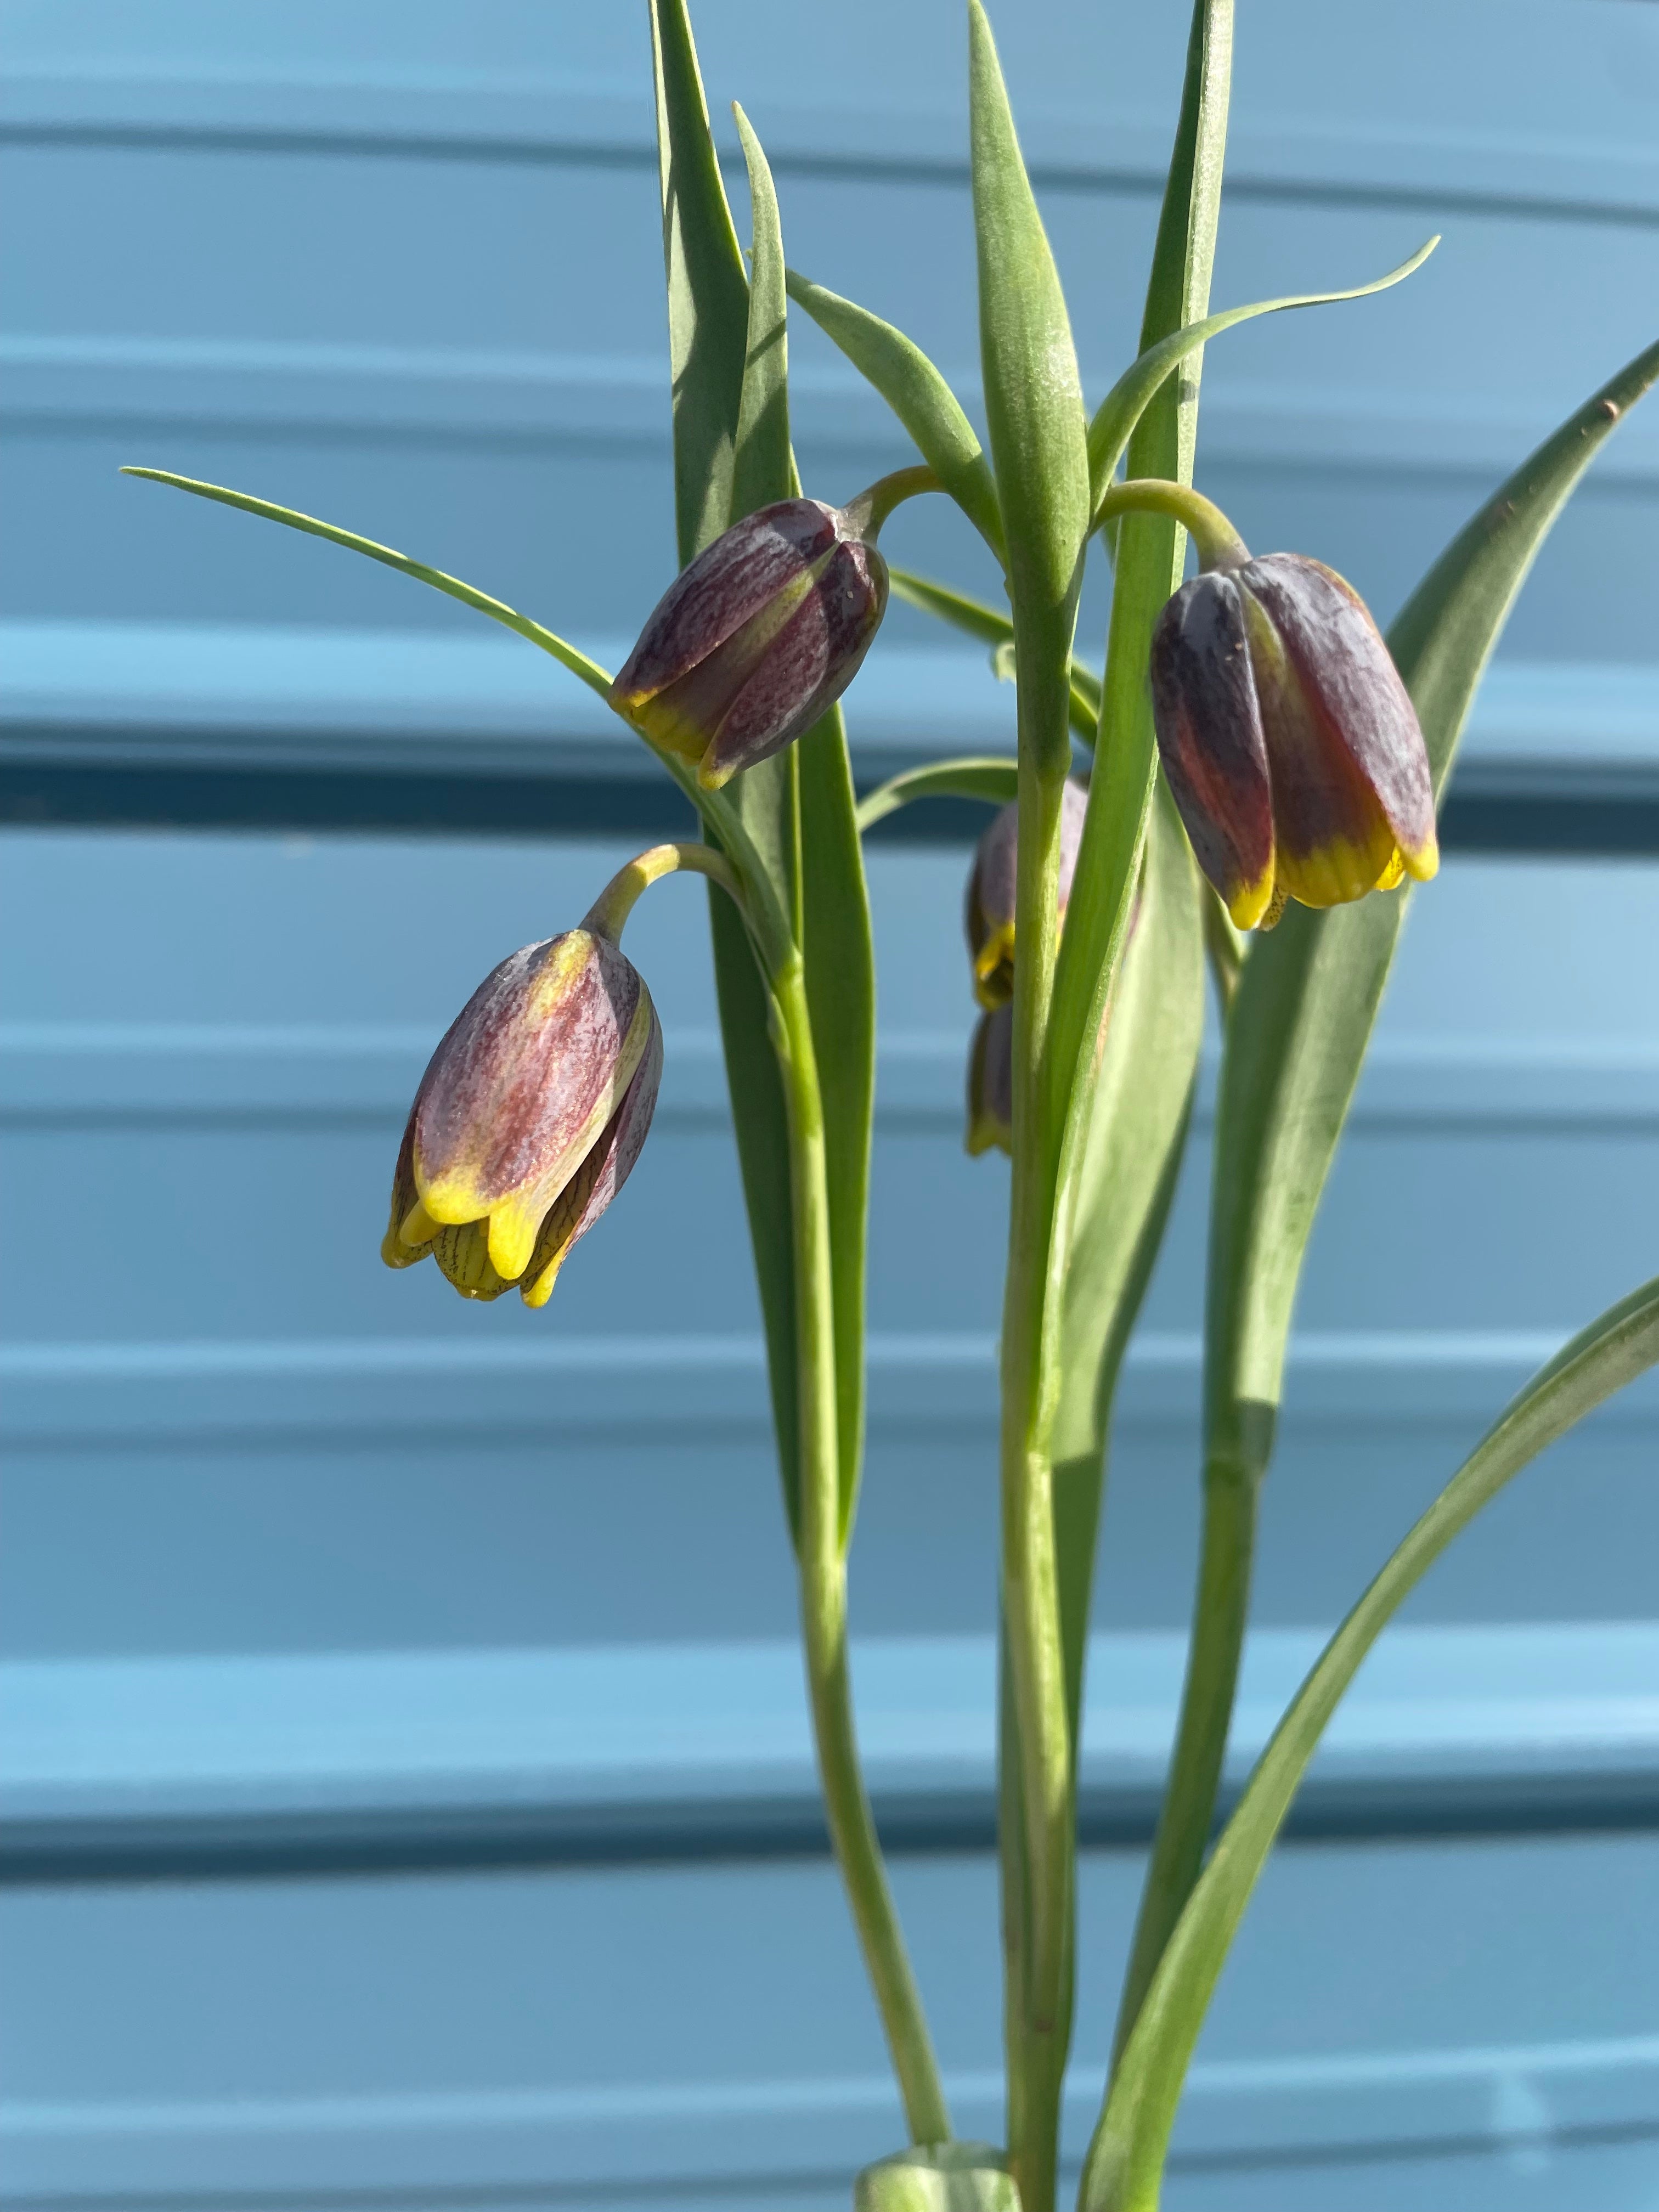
point(840, 993)
point(1309, 995)
point(709, 353)
point(1126, 1179)
point(1150, 556)
point(567, 655)
point(1114, 419)
point(807, 791)
point(917, 393)
point(1126, 2159)
point(1109, 862)
point(1033, 399)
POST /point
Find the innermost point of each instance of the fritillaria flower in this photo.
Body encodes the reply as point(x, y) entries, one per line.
point(1290, 743)
point(991, 1083)
point(528, 1119)
point(757, 638)
point(989, 915)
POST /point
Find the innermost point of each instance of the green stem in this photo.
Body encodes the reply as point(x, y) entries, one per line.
point(1038, 1881)
point(608, 915)
point(823, 1580)
point(1220, 1608)
point(868, 512)
point(1219, 545)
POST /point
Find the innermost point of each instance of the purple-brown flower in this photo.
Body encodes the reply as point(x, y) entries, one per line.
point(529, 1118)
point(756, 639)
point(1291, 745)
point(991, 1083)
point(989, 913)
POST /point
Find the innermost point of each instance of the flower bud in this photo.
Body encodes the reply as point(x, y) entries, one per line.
point(1290, 743)
point(528, 1120)
point(991, 1083)
point(990, 905)
point(756, 639)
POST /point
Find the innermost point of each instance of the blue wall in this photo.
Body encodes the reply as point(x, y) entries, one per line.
point(406, 1789)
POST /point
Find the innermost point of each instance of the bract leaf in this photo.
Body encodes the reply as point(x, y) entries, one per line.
point(917, 393)
point(1126, 2159)
point(994, 779)
point(1114, 419)
point(577, 663)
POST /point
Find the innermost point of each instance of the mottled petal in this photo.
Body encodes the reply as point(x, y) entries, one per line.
point(730, 582)
point(523, 1084)
point(807, 664)
point(1209, 739)
point(1350, 773)
point(599, 1177)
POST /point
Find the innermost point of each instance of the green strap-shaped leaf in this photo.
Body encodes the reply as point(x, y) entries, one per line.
point(1115, 419)
point(993, 780)
point(917, 393)
point(802, 805)
point(1149, 557)
point(1033, 399)
point(708, 290)
point(1126, 2159)
point(579, 664)
point(841, 995)
point(708, 347)
point(1136, 1136)
point(1309, 994)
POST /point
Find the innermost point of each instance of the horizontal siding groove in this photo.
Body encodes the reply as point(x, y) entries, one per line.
point(139, 1394)
point(1511, 2098)
point(1549, 168)
point(388, 391)
point(251, 696)
point(225, 1764)
point(294, 1073)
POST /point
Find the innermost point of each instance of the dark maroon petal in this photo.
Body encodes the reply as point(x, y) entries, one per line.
point(1355, 695)
point(726, 586)
point(990, 908)
point(1210, 736)
point(809, 664)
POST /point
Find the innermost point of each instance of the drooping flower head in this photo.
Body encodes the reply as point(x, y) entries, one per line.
point(991, 1083)
point(1289, 741)
point(529, 1118)
point(756, 639)
point(989, 915)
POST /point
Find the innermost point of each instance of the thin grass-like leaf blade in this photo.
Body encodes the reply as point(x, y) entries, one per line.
point(1125, 2163)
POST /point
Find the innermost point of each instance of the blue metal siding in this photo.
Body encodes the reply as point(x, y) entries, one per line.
point(406, 1789)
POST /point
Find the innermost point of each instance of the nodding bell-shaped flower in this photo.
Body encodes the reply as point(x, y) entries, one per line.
point(991, 1083)
point(989, 915)
point(758, 638)
point(1291, 745)
point(528, 1119)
